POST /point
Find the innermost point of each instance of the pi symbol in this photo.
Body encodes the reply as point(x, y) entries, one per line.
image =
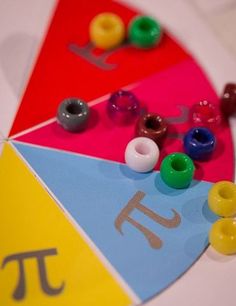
point(100, 61)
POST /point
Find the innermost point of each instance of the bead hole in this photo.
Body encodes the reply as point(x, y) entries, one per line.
point(142, 149)
point(152, 123)
point(205, 109)
point(145, 26)
point(207, 112)
point(226, 193)
point(74, 108)
point(229, 229)
point(178, 164)
point(107, 25)
point(124, 103)
point(200, 137)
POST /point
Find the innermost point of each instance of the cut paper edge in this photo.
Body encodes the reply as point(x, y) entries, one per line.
point(81, 232)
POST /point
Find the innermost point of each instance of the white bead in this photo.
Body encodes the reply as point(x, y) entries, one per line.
point(141, 154)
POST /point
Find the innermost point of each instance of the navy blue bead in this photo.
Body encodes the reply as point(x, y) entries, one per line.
point(199, 143)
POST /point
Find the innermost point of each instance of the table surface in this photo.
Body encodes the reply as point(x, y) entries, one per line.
point(207, 28)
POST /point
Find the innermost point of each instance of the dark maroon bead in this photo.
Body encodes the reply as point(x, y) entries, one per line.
point(152, 126)
point(228, 100)
point(123, 107)
point(206, 114)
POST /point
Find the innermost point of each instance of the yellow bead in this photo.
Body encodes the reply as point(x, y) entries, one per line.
point(222, 199)
point(107, 30)
point(222, 236)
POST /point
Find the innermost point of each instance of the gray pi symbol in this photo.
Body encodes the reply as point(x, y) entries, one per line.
point(100, 61)
point(39, 256)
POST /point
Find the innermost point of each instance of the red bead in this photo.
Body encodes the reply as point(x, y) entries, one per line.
point(205, 114)
point(228, 100)
point(152, 126)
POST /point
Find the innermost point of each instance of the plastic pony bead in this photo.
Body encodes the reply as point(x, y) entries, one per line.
point(123, 107)
point(222, 236)
point(199, 143)
point(152, 126)
point(222, 199)
point(206, 114)
point(228, 100)
point(107, 30)
point(177, 170)
point(141, 154)
point(73, 114)
point(144, 32)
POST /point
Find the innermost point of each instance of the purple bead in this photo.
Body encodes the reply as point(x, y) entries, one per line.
point(123, 107)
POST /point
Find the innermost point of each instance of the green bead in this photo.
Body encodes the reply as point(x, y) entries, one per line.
point(177, 170)
point(144, 32)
